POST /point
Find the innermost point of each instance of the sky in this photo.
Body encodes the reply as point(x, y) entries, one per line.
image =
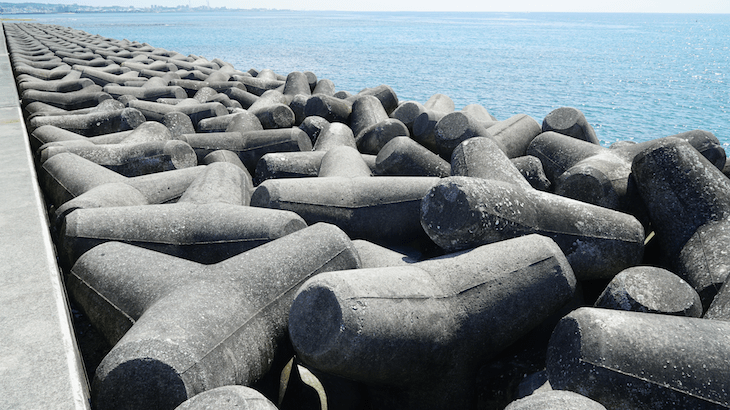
point(633, 6)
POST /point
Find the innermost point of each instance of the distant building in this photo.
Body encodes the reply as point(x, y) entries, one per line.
point(43, 8)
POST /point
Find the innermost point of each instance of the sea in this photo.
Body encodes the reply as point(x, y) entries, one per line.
point(635, 76)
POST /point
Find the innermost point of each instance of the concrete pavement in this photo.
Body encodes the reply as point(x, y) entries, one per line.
point(40, 365)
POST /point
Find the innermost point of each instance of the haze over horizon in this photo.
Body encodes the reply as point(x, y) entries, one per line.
point(615, 6)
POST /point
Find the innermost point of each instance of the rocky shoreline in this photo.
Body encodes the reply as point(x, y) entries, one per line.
point(221, 229)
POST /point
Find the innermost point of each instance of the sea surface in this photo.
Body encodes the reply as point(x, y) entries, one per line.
point(634, 76)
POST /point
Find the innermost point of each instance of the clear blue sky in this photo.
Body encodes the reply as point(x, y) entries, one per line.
point(635, 6)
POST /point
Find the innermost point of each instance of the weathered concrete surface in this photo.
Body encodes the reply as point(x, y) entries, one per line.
point(344, 162)
point(631, 360)
point(375, 256)
point(189, 327)
point(688, 199)
point(555, 399)
point(464, 212)
point(380, 209)
point(133, 160)
point(404, 156)
point(531, 168)
point(570, 121)
point(602, 176)
point(377, 325)
point(66, 176)
point(652, 290)
point(40, 366)
point(228, 398)
point(205, 233)
point(481, 157)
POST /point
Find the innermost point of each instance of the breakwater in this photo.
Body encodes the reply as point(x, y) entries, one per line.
point(214, 223)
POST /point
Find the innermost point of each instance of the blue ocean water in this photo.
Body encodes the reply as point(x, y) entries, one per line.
point(634, 76)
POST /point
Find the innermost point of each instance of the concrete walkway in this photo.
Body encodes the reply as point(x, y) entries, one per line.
point(40, 366)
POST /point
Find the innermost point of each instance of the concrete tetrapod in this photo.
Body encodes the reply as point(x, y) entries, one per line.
point(276, 165)
point(297, 104)
point(652, 290)
point(515, 134)
point(238, 121)
point(463, 212)
point(570, 121)
point(376, 256)
point(261, 83)
point(148, 131)
point(242, 122)
point(191, 327)
point(555, 399)
point(230, 157)
point(371, 126)
point(379, 209)
point(404, 156)
point(300, 164)
point(61, 86)
point(133, 159)
point(688, 200)
point(334, 135)
point(205, 233)
point(720, 307)
point(250, 145)
point(228, 398)
point(54, 74)
point(384, 93)
point(193, 86)
point(66, 176)
point(437, 106)
point(50, 133)
point(272, 110)
point(105, 195)
point(512, 135)
point(93, 123)
point(103, 78)
point(424, 127)
point(424, 329)
point(297, 83)
point(454, 128)
point(407, 112)
point(343, 161)
point(531, 168)
point(220, 181)
point(245, 98)
point(39, 109)
point(314, 125)
point(324, 86)
point(72, 100)
point(481, 157)
point(479, 113)
point(204, 94)
point(601, 176)
point(156, 112)
point(330, 108)
point(440, 102)
point(631, 360)
point(178, 124)
point(146, 93)
point(208, 224)
point(326, 136)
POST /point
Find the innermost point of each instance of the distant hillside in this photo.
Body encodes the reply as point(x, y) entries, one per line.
point(45, 8)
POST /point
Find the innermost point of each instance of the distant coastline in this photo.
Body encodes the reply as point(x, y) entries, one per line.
point(45, 8)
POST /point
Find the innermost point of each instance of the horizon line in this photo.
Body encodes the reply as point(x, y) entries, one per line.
point(258, 9)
